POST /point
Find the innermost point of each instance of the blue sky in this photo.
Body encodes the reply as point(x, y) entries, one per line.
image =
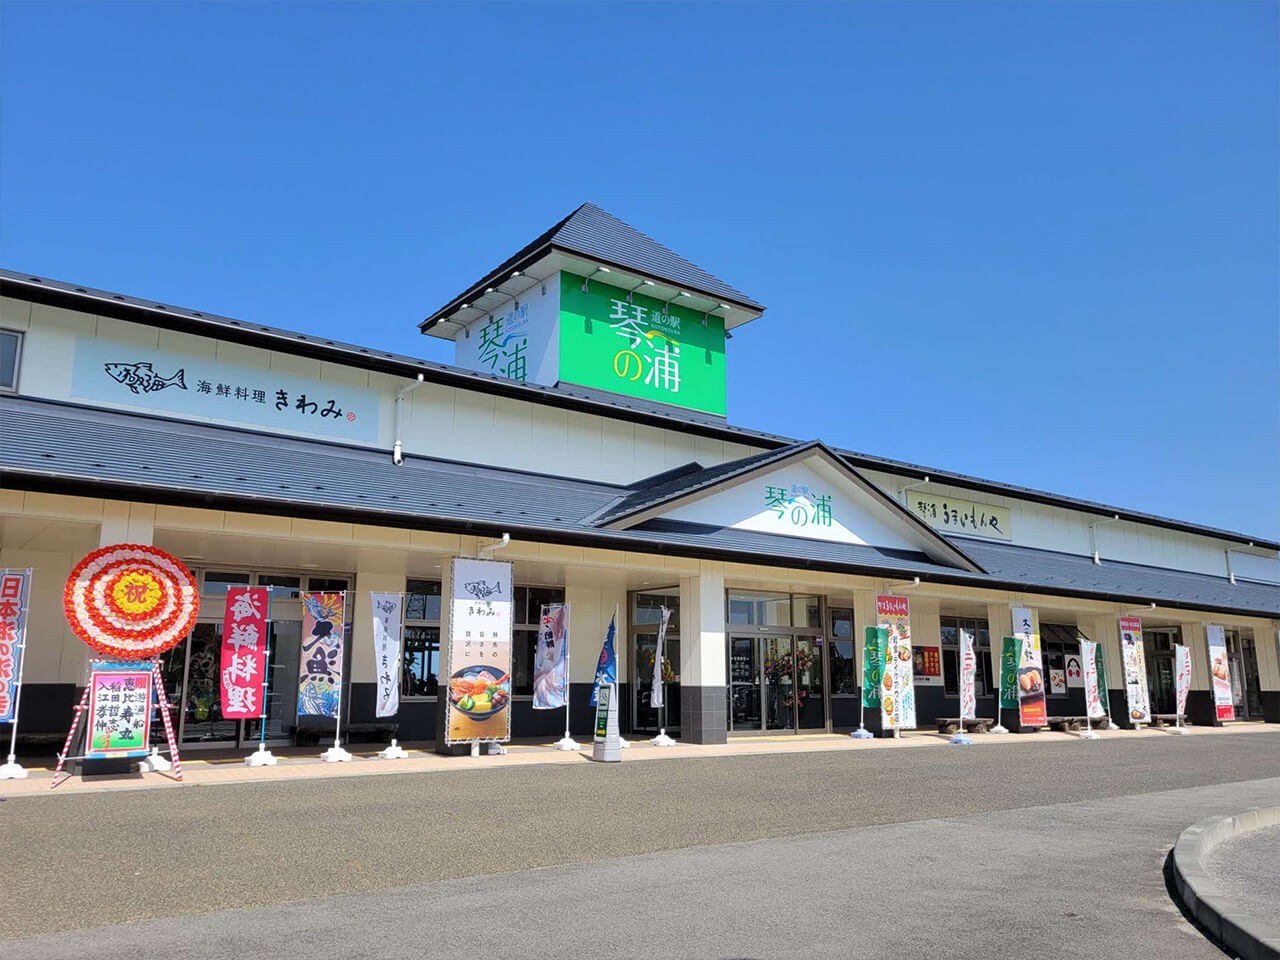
point(1033, 242)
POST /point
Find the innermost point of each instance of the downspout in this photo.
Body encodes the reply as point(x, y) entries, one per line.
point(1093, 536)
point(397, 449)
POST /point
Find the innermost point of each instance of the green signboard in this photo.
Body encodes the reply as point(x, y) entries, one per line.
point(1009, 673)
point(642, 347)
point(876, 642)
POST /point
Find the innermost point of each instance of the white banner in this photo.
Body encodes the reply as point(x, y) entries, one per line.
point(479, 684)
point(897, 695)
point(1092, 700)
point(387, 658)
point(1134, 657)
point(551, 661)
point(657, 693)
point(1032, 711)
point(1182, 675)
point(1220, 672)
point(968, 670)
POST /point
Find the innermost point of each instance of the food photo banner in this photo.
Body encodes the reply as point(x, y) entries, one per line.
point(480, 617)
point(898, 697)
point(1134, 660)
point(244, 652)
point(15, 587)
point(1220, 672)
point(1031, 679)
point(320, 663)
point(387, 620)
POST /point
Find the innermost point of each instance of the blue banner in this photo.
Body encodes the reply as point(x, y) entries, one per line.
point(607, 668)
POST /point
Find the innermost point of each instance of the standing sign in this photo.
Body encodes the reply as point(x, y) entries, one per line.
point(926, 666)
point(1030, 690)
point(968, 670)
point(14, 589)
point(1220, 672)
point(658, 694)
point(898, 699)
point(550, 662)
point(387, 659)
point(119, 710)
point(607, 665)
point(875, 641)
point(1182, 675)
point(1134, 659)
point(480, 615)
point(320, 662)
point(1092, 701)
point(244, 656)
point(1009, 673)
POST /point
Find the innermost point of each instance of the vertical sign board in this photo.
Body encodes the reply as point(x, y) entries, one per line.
point(1030, 689)
point(898, 697)
point(119, 710)
point(1182, 675)
point(480, 617)
point(1008, 673)
point(244, 652)
point(387, 659)
point(320, 661)
point(602, 710)
point(874, 641)
point(551, 660)
point(1092, 700)
point(1134, 658)
point(14, 588)
point(1220, 672)
point(968, 670)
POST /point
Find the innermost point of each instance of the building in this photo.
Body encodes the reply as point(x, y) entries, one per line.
point(585, 418)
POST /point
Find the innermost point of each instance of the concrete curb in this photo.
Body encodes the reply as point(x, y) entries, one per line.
point(1242, 934)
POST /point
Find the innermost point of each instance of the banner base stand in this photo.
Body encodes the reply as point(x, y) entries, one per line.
point(154, 763)
point(394, 752)
point(624, 743)
point(662, 740)
point(336, 754)
point(495, 749)
point(12, 770)
point(962, 739)
point(999, 728)
point(1090, 735)
point(567, 743)
point(262, 757)
point(1181, 731)
point(862, 733)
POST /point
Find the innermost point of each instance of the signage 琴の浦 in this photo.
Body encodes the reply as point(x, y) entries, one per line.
point(638, 346)
point(953, 515)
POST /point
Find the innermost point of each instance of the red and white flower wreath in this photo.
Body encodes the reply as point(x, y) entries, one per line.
point(131, 601)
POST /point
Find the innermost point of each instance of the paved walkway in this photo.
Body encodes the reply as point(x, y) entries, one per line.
point(1246, 869)
point(224, 767)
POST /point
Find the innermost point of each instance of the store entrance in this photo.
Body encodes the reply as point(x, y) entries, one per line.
point(1246, 689)
point(1159, 643)
point(775, 684)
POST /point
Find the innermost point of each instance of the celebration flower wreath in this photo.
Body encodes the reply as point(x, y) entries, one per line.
point(130, 601)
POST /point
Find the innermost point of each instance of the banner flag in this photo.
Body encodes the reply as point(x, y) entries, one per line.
point(387, 658)
point(481, 611)
point(968, 670)
point(1134, 658)
point(1031, 705)
point(1220, 672)
point(550, 663)
point(876, 639)
point(1101, 661)
point(15, 587)
point(655, 697)
point(898, 699)
point(1009, 673)
point(244, 652)
point(1182, 675)
point(1092, 701)
point(320, 660)
point(607, 666)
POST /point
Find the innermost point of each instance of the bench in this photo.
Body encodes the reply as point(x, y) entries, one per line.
point(1168, 719)
point(950, 725)
point(1074, 724)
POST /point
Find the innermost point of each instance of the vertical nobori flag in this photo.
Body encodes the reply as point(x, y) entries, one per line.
point(1134, 659)
point(550, 662)
point(1009, 673)
point(15, 586)
point(387, 658)
point(244, 652)
point(874, 642)
point(968, 671)
point(1182, 675)
point(320, 662)
point(659, 672)
point(607, 666)
point(1220, 672)
point(1092, 701)
point(1031, 705)
point(898, 699)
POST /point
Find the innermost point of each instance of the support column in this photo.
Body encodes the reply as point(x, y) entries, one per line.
point(1000, 625)
point(703, 676)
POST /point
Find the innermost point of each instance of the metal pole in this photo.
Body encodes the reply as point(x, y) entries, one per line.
point(22, 663)
point(266, 680)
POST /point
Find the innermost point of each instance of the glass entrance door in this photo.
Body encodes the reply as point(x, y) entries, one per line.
point(744, 684)
point(1160, 683)
point(776, 684)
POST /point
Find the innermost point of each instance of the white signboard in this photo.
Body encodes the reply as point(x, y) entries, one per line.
point(968, 670)
point(386, 651)
point(1092, 698)
point(1220, 673)
point(478, 692)
point(1134, 659)
point(1182, 675)
point(897, 694)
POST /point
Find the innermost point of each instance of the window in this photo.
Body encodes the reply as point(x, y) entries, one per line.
point(10, 354)
point(1057, 640)
point(421, 674)
point(524, 633)
point(951, 627)
point(752, 609)
point(840, 652)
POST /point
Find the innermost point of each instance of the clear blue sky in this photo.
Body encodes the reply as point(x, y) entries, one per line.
point(1033, 242)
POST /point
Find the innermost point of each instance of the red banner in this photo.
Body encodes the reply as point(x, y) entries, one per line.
point(244, 653)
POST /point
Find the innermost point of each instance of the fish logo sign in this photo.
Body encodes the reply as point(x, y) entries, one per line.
point(482, 590)
point(140, 378)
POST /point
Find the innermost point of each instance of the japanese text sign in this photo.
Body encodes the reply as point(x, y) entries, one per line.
point(954, 515)
point(320, 660)
point(1134, 659)
point(119, 710)
point(1220, 672)
point(480, 618)
point(387, 612)
point(1032, 711)
point(244, 652)
point(14, 588)
point(898, 697)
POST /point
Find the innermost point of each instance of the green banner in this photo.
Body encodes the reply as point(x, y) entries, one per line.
point(1009, 673)
point(640, 346)
point(1099, 660)
point(877, 638)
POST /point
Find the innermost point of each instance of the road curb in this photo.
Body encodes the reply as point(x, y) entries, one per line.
point(1243, 934)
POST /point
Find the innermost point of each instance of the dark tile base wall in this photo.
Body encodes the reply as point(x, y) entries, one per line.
point(1271, 705)
point(46, 709)
point(703, 714)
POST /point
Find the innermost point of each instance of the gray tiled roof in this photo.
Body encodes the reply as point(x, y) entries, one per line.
point(96, 452)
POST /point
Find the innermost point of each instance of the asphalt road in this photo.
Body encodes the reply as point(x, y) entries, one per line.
point(1246, 869)
point(1020, 850)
